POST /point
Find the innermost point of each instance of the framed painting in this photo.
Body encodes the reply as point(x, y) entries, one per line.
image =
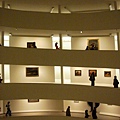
point(95, 72)
point(33, 100)
point(32, 72)
point(31, 45)
point(107, 73)
point(93, 44)
point(77, 72)
point(75, 101)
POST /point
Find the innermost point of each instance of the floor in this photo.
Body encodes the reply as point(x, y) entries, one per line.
point(74, 114)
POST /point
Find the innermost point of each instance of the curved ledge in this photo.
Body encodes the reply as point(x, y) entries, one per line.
point(47, 21)
point(52, 57)
point(59, 92)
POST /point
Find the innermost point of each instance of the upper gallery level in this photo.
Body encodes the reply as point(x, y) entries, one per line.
point(61, 6)
point(71, 22)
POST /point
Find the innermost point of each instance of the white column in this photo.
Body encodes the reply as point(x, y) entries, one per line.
point(118, 40)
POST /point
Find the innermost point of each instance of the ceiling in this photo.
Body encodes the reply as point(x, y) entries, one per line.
point(72, 5)
point(65, 6)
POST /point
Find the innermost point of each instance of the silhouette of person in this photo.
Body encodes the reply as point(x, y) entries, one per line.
point(87, 48)
point(94, 116)
point(0, 80)
point(8, 109)
point(86, 114)
point(68, 111)
point(56, 45)
point(92, 78)
point(115, 82)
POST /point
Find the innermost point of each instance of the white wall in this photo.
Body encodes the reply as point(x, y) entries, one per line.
point(42, 105)
point(41, 42)
point(99, 79)
point(81, 106)
point(18, 74)
point(80, 43)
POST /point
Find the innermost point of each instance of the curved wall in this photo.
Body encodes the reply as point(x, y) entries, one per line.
point(47, 21)
point(59, 92)
point(51, 57)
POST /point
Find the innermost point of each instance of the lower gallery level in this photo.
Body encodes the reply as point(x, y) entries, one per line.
point(45, 107)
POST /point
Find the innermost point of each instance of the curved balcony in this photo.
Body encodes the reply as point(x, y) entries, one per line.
point(50, 57)
point(47, 21)
point(59, 92)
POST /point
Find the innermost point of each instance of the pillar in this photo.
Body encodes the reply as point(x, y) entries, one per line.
point(59, 9)
point(118, 40)
point(3, 4)
point(115, 5)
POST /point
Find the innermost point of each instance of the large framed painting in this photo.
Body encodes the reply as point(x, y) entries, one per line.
point(31, 45)
point(93, 44)
point(107, 73)
point(77, 72)
point(90, 72)
point(33, 100)
point(32, 72)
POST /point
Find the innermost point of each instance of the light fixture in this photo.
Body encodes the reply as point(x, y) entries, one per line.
point(51, 11)
point(81, 31)
point(52, 35)
point(10, 34)
point(67, 9)
point(8, 6)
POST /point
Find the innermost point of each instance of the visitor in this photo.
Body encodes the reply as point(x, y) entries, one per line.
point(115, 82)
point(68, 111)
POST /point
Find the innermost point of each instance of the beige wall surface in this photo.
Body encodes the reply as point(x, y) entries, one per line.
point(100, 79)
point(47, 21)
point(104, 43)
point(18, 74)
point(41, 42)
point(42, 105)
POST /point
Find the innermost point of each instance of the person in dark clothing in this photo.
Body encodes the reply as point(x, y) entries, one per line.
point(56, 45)
point(86, 114)
point(92, 78)
point(115, 82)
point(68, 111)
point(8, 109)
point(94, 116)
point(87, 48)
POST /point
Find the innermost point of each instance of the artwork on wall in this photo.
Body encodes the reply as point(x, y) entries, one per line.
point(77, 72)
point(75, 101)
point(33, 100)
point(32, 72)
point(107, 73)
point(31, 45)
point(93, 44)
point(95, 72)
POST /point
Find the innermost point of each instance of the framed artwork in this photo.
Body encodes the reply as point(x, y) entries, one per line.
point(32, 72)
point(107, 73)
point(31, 45)
point(93, 44)
point(77, 72)
point(95, 72)
point(75, 101)
point(33, 100)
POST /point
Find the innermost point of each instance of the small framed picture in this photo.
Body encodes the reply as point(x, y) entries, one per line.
point(31, 45)
point(32, 72)
point(93, 44)
point(90, 72)
point(33, 100)
point(75, 101)
point(107, 73)
point(77, 72)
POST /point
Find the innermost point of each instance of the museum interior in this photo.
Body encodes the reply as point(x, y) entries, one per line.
point(48, 50)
